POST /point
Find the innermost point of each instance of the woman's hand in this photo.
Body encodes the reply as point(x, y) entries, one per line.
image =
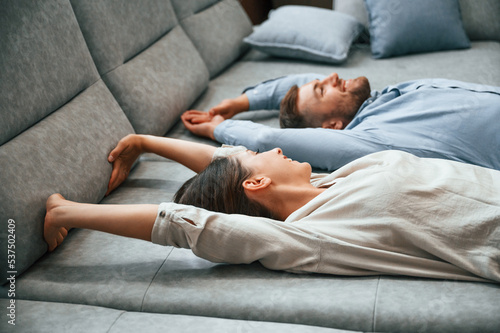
point(123, 157)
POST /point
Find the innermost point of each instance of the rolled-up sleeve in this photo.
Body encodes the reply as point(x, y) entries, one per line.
point(237, 239)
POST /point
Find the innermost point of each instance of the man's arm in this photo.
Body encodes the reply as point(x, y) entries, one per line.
point(324, 149)
point(195, 156)
point(268, 94)
point(264, 96)
point(227, 109)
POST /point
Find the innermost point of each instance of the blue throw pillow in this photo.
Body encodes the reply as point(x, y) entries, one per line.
point(400, 27)
point(307, 33)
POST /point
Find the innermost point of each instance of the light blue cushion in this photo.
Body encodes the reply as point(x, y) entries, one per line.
point(306, 33)
point(409, 26)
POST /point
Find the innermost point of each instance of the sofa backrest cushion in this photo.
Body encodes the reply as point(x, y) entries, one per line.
point(217, 29)
point(481, 19)
point(355, 8)
point(144, 56)
point(51, 75)
point(34, 83)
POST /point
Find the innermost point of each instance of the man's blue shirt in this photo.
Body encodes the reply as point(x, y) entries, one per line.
point(429, 118)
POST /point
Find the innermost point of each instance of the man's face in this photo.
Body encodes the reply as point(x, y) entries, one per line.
point(332, 96)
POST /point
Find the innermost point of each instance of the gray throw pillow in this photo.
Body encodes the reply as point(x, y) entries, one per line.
point(409, 26)
point(306, 33)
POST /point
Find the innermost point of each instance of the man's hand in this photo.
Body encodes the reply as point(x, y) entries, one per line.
point(228, 108)
point(201, 123)
point(123, 157)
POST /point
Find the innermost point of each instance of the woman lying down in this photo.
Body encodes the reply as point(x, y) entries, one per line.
point(386, 213)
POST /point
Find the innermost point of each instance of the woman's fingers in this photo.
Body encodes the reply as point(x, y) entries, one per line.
point(116, 177)
point(120, 147)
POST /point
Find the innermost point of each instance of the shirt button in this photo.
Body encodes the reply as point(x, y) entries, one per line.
point(255, 92)
point(162, 214)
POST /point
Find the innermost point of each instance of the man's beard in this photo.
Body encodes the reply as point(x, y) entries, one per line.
point(360, 95)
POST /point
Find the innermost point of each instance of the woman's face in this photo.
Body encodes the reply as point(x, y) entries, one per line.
point(276, 166)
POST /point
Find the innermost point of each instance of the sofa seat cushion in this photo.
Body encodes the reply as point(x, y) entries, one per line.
point(92, 271)
point(94, 268)
point(51, 317)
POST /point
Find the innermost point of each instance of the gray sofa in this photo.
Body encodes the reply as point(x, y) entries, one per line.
point(76, 76)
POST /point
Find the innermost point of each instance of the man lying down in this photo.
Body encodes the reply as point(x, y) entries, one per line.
point(329, 122)
point(385, 213)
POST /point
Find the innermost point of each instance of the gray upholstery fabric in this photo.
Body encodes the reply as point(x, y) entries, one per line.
point(116, 31)
point(420, 305)
point(145, 58)
point(95, 268)
point(152, 323)
point(216, 31)
point(153, 180)
point(41, 317)
point(45, 317)
point(42, 65)
point(481, 22)
point(66, 152)
point(194, 286)
point(185, 8)
point(159, 84)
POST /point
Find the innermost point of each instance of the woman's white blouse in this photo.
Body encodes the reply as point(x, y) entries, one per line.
point(386, 213)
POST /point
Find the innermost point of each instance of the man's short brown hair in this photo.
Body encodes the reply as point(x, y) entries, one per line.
point(289, 112)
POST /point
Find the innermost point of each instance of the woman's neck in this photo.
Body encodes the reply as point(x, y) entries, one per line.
point(289, 199)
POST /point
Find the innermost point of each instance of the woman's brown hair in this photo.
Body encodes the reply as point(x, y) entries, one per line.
point(219, 188)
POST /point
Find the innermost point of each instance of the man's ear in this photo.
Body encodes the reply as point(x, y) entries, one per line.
point(256, 183)
point(336, 124)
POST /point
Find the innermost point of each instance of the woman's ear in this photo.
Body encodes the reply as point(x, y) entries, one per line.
point(256, 183)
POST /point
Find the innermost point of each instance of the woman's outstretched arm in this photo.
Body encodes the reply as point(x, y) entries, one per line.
point(195, 156)
point(135, 221)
